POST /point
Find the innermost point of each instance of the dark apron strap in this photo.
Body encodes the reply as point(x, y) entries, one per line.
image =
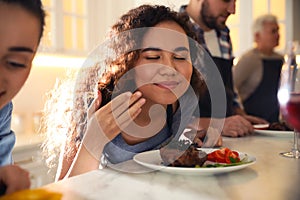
point(225, 68)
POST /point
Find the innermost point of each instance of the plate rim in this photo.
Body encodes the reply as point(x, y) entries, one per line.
point(273, 132)
point(192, 170)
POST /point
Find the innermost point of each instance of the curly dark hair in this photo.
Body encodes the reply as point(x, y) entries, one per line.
point(128, 44)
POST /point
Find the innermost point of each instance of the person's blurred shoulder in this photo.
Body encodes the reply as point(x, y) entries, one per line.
point(248, 57)
point(278, 55)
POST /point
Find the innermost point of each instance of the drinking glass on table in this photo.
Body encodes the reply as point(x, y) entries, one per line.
point(289, 95)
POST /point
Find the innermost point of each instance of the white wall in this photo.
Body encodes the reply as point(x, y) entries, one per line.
point(111, 10)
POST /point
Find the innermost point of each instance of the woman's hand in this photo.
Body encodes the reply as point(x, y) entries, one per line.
point(107, 122)
point(119, 113)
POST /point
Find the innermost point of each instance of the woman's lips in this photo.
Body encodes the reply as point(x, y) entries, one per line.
point(167, 84)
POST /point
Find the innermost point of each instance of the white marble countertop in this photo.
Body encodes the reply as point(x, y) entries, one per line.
point(272, 177)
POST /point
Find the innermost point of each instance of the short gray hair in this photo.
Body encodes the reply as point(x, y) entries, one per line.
point(259, 22)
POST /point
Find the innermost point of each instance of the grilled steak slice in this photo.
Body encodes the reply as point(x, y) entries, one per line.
point(182, 157)
point(279, 126)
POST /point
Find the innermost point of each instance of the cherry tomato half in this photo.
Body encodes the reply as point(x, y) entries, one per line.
point(224, 155)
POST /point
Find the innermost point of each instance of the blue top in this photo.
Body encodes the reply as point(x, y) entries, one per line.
point(7, 136)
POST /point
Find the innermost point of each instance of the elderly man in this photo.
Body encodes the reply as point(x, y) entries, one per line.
point(256, 75)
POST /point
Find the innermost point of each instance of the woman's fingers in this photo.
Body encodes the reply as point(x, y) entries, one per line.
point(121, 111)
point(120, 104)
point(132, 112)
point(115, 107)
point(123, 102)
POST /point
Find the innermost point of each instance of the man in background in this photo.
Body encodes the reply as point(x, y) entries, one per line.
point(209, 18)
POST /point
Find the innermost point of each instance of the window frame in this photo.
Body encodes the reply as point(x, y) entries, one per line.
point(245, 12)
point(56, 34)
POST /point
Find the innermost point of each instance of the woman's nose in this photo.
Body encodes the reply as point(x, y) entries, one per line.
point(168, 66)
point(167, 70)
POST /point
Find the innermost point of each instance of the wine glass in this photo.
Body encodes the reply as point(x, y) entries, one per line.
point(289, 95)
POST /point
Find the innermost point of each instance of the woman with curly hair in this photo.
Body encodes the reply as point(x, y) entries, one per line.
point(146, 94)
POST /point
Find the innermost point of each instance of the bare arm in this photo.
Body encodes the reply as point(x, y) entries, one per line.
point(83, 159)
point(83, 162)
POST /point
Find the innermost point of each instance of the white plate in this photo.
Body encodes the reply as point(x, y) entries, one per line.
point(274, 133)
point(152, 160)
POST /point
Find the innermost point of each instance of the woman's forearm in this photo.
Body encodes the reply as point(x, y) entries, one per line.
point(90, 150)
point(83, 162)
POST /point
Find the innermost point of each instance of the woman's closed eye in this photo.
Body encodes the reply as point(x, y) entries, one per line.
point(176, 57)
point(15, 64)
point(152, 57)
point(182, 53)
point(180, 57)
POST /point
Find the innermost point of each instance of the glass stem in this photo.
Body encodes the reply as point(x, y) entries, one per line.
point(295, 146)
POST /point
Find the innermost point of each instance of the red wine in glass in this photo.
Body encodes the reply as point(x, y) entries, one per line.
point(291, 111)
point(289, 95)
